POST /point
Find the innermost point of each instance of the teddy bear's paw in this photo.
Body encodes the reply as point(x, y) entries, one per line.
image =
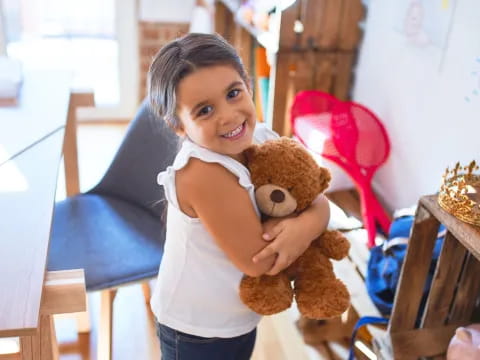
point(324, 301)
point(333, 244)
point(266, 295)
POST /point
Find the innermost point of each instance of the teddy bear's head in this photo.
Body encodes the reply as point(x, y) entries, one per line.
point(285, 176)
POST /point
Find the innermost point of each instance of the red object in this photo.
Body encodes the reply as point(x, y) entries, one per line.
point(350, 135)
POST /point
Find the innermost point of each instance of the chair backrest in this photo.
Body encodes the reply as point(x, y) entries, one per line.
point(148, 148)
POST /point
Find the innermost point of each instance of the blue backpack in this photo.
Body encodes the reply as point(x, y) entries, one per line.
point(385, 264)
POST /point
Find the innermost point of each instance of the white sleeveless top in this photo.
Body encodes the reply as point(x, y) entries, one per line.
point(197, 286)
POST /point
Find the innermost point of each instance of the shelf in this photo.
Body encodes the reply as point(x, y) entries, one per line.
point(268, 39)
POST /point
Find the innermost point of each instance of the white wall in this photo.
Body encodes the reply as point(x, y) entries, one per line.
point(424, 89)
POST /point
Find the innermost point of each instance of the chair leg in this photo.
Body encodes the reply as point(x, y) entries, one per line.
point(147, 294)
point(105, 327)
point(146, 291)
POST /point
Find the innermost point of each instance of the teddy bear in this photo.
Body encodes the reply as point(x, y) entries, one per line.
point(287, 179)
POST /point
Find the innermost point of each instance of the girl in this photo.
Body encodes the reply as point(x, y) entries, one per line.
point(199, 86)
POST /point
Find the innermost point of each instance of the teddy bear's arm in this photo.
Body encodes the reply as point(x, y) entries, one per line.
point(333, 244)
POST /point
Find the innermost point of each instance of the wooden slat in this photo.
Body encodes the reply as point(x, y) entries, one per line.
point(417, 343)
point(42, 345)
point(359, 297)
point(287, 37)
point(38, 113)
point(467, 292)
point(281, 79)
point(64, 292)
point(72, 181)
point(328, 31)
point(224, 21)
point(445, 279)
point(359, 253)
point(27, 186)
point(350, 33)
point(467, 234)
point(323, 71)
point(414, 271)
point(314, 14)
point(343, 75)
point(243, 42)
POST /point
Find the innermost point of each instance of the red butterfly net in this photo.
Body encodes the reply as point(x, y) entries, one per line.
point(350, 135)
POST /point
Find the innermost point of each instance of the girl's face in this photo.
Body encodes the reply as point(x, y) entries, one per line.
point(216, 110)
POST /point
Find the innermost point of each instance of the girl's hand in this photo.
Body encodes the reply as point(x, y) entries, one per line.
point(288, 242)
point(290, 237)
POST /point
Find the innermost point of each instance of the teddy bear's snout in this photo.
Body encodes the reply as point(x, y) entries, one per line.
point(273, 200)
point(277, 196)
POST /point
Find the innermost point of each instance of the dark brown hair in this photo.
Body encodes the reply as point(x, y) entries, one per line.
point(180, 58)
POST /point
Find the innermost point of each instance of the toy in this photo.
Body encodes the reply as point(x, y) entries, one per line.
point(287, 179)
point(465, 344)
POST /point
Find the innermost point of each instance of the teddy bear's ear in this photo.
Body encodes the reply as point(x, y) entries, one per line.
point(325, 178)
point(250, 153)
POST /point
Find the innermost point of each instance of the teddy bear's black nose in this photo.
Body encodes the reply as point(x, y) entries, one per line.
point(277, 196)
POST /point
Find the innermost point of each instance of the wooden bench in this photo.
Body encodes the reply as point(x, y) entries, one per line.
point(345, 215)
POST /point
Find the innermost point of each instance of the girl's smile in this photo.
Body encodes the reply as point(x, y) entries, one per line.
point(236, 133)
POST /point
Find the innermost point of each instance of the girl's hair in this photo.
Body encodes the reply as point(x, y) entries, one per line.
point(180, 58)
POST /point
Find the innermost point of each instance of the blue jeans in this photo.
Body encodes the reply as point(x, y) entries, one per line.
point(176, 345)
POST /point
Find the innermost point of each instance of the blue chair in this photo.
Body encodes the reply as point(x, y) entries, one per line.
point(116, 231)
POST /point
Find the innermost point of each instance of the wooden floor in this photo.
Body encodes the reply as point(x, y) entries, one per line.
point(133, 332)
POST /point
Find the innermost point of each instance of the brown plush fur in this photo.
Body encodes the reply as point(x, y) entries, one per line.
point(284, 166)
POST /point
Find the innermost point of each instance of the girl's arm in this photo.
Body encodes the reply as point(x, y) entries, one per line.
point(292, 236)
point(212, 193)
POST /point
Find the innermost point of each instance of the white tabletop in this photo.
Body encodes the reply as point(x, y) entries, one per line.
point(28, 175)
point(42, 109)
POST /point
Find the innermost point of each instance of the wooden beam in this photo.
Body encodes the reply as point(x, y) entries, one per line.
point(467, 292)
point(414, 271)
point(467, 234)
point(77, 99)
point(413, 344)
point(444, 282)
point(63, 292)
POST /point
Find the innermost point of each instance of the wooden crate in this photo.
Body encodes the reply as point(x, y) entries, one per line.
point(453, 293)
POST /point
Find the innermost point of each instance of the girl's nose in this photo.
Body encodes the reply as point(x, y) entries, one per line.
point(227, 116)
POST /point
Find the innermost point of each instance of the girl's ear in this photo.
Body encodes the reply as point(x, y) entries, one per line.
point(250, 153)
point(180, 131)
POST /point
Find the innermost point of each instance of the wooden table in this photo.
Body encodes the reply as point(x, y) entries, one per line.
point(31, 143)
point(454, 290)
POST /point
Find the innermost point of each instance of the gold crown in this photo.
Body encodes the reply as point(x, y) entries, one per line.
point(460, 193)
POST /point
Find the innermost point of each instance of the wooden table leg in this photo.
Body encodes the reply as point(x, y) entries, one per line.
point(42, 346)
point(63, 292)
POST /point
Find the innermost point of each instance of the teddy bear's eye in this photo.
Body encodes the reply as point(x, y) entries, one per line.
point(290, 188)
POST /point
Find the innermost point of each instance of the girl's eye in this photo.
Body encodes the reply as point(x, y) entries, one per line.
point(205, 110)
point(233, 93)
